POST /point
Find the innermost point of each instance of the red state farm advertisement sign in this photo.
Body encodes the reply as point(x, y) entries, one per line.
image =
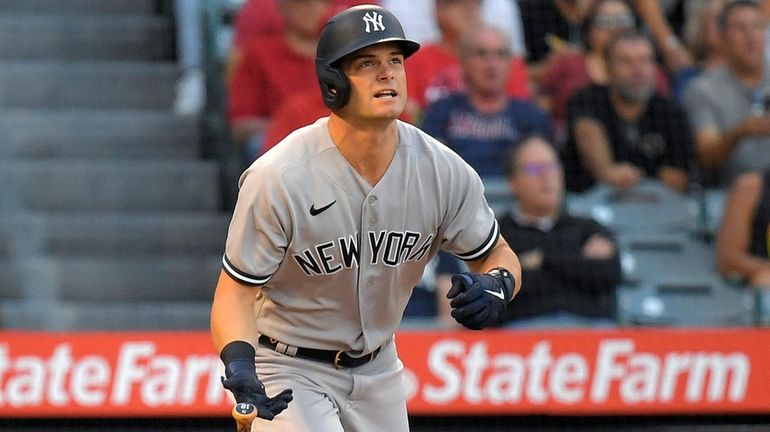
point(588, 372)
point(454, 373)
point(110, 375)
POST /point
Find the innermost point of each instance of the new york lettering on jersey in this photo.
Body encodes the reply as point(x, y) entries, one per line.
point(390, 248)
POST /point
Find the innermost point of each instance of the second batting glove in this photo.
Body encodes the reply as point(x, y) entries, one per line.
point(478, 300)
point(241, 379)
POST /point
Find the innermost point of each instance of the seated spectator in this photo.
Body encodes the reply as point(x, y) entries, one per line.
point(742, 245)
point(728, 105)
point(571, 264)
point(625, 131)
point(482, 122)
point(272, 69)
point(573, 70)
point(434, 70)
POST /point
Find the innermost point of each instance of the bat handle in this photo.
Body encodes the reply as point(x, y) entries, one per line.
point(244, 414)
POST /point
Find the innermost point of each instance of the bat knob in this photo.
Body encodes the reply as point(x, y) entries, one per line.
point(244, 408)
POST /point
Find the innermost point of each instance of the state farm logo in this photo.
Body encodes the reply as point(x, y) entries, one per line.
point(140, 376)
point(468, 373)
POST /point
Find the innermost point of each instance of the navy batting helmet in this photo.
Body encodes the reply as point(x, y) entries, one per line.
point(347, 32)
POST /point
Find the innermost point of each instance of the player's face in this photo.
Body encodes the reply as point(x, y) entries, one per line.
point(538, 179)
point(377, 82)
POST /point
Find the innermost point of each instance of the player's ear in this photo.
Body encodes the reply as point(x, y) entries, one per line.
point(335, 87)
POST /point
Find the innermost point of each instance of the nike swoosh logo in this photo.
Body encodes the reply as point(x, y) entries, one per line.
point(316, 211)
point(499, 295)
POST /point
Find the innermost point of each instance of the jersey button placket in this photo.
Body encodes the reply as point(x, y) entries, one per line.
point(373, 219)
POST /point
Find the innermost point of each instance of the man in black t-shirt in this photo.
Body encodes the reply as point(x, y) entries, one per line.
point(623, 132)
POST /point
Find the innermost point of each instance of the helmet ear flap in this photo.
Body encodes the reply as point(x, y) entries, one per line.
point(335, 87)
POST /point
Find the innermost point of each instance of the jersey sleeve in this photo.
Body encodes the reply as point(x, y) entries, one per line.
point(257, 237)
point(470, 230)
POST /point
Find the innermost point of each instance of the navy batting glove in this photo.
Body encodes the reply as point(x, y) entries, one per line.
point(478, 300)
point(242, 380)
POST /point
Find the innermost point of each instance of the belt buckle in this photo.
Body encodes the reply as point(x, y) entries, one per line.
point(338, 359)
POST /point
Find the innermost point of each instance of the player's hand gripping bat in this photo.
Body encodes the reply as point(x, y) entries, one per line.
point(244, 414)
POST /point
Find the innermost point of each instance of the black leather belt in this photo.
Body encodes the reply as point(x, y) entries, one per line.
point(339, 359)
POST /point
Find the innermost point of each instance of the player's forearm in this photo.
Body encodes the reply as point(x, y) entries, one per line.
point(232, 313)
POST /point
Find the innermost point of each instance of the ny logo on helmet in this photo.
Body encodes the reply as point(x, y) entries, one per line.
point(373, 22)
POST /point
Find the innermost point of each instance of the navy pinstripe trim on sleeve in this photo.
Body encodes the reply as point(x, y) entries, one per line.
point(240, 276)
point(485, 247)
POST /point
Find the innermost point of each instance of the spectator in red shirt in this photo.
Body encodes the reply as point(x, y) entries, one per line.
point(434, 71)
point(272, 69)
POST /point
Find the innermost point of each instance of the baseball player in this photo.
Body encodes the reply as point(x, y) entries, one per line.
point(332, 229)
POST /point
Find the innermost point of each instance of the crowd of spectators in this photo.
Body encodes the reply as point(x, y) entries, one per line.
point(615, 92)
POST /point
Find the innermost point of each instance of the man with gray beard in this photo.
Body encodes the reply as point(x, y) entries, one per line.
point(624, 132)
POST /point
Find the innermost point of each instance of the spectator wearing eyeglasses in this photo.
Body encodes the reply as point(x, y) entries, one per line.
point(623, 132)
point(482, 121)
point(571, 264)
point(572, 70)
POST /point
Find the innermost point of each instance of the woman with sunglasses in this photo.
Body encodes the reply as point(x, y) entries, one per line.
point(574, 69)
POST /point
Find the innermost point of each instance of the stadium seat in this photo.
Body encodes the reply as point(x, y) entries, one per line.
point(649, 207)
point(671, 280)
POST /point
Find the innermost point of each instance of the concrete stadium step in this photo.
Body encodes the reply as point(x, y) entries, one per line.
point(93, 316)
point(104, 85)
point(114, 134)
point(126, 186)
point(31, 279)
point(80, 6)
point(76, 37)
point(122, 235)
point(21, 235)
point(110, 280)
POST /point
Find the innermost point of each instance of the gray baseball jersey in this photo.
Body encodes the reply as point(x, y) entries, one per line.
point(337, 258)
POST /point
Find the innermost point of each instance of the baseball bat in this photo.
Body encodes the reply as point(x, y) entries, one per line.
point(244, 414)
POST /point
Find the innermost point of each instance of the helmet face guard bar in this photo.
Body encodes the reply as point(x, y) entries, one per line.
point(347, 32)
